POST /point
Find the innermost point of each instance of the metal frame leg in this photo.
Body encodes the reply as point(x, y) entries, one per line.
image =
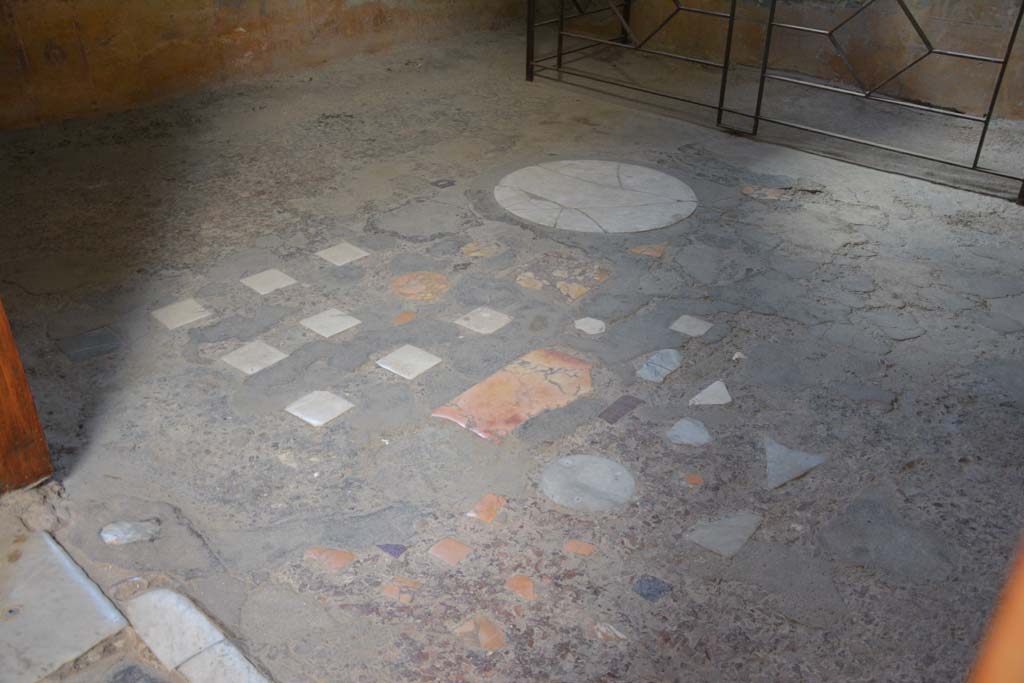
point(726, 59)
point(765, 54)
point(531, 28)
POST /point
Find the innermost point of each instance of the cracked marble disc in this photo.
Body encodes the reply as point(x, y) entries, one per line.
point(595, 196)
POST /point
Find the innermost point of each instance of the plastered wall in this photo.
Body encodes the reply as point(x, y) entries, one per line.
point(67, 58)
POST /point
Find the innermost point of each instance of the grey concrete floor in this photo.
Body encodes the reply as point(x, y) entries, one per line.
point(880, 318)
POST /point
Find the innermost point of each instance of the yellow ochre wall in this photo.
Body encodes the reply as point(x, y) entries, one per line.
point(66, 58)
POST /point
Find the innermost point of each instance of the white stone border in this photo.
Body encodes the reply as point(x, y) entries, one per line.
point(186, 641)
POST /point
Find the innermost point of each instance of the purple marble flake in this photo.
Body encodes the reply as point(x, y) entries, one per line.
point(651, 587)
point(393, 549)
point(618, 409)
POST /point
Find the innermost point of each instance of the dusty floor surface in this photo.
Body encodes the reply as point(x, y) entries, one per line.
point(880, 319)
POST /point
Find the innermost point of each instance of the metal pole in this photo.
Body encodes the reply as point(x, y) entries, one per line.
point(561, 32)
point(531, 27)
point(627, 6)
point(764, 65)
point(725, 61)
point(999, 85)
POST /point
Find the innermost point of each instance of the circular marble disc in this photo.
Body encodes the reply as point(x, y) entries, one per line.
point(595, 196)
point(588, 483)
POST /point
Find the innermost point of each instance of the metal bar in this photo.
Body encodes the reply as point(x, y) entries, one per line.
point(966, 55)
point(849, 67)
point(627, 8)
point(531, 19)
point(625, 24)
point(917, 27)
point(660, 26)
point(999, 84)
point(876, 98)
point(548, 22)
point(850, 18)
point(882, 146)
point(623, 84)
point(896, 75)
point(697, 10)
point(765, 54)
point(560, 43)
point(660, 53)
point(804, 29)
point(726, 59)
point(537, 62)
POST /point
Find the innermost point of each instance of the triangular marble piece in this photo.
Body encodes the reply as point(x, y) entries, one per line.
point(715, 395)
point(786, 464)
point(725, 535)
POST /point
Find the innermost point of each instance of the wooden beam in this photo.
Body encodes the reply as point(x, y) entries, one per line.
point(1001, 658)
point(24, 456)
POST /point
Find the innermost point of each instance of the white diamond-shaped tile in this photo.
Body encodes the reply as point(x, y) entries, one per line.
point(221, 663)
point(716, 394)
point(785, 464)
point(268, 281)
point(483, 320)
point(408, 361)
point(171, 626)
point(595, 196)
point(342, 253)
point(691, 326)
point(725, 535)
point(51, 612)
point(253, 357)
point(319, 407)
point(181, 313)
point(330, 322)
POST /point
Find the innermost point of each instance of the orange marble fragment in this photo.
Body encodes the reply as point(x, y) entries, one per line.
point(404, 317)
point(773, 193)
point(479, 249)
point(573, 290)
point(450, 551)
point(422, 285)
point(577, 547)
point(652, 250)
point(487, 508)
point(539, 381)
point(483, 632)
point(522, 586)
point(694, 479)
point(400, 588)
point(330, 558)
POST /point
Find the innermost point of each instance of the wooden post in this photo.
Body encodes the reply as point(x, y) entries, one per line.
point(1001, 658)
point(24, 456)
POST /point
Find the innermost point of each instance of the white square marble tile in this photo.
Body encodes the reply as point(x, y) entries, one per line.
point(319, 407)
point(408, 361)
point(691, 326)
point(181, 313)
point(52, 612)
point(330, 322)
point(483, 320)
point(253, 357)
point(342, 253)
point(268, 281)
